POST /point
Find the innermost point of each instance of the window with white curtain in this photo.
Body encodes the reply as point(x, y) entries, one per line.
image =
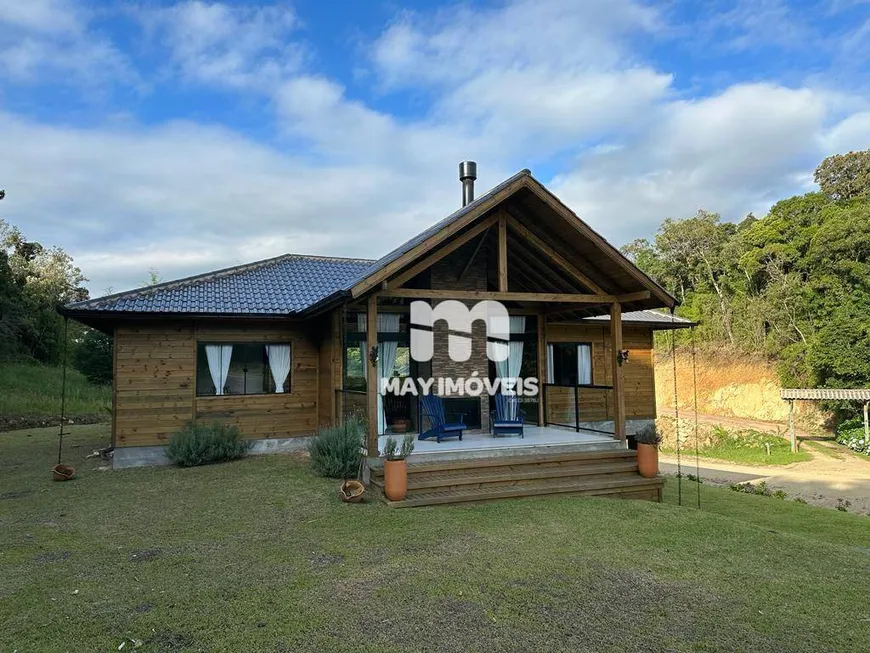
point(569, 363)
point(243, 368)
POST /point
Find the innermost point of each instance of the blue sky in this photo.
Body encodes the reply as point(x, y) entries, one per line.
point(186, 136)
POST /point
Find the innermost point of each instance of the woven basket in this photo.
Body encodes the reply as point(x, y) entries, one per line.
point(351, 491)
point(63, 472)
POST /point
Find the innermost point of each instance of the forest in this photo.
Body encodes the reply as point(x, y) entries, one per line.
point(793, 285)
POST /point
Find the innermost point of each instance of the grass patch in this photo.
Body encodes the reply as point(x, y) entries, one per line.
point(33, 389)
point(746, 447)
point(260, 555)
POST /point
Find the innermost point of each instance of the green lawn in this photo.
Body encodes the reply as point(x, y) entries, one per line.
point(259, 555)
point(746, 447)
point(27, 389)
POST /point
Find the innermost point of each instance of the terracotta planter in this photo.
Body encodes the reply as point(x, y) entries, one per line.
point(396, 479)
point(63, 472)
point(400, 426)
point(351, 491)
point(647, 460)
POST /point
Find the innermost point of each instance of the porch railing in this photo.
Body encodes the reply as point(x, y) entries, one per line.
point(573, 405)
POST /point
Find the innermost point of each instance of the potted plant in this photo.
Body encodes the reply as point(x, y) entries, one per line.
point(397, 410)
point(396, 467)
point(648, 440)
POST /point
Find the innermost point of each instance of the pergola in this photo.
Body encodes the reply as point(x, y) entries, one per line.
point(818, 394)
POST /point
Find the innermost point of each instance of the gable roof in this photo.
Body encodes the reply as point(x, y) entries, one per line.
point(279, 286)
point(525, 195)
point(295, 284)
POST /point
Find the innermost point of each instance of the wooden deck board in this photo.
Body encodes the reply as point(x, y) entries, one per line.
point(643, 487)
point(599, 473)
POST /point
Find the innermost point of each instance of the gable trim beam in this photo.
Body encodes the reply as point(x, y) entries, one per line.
point(554, 256)
point(474, 254)
point(571, 218)
point(376, 277)
point(555, 298)
point(533, 263)
point(433, 258)
point(502, 253)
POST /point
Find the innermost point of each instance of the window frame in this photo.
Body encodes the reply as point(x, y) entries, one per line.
point(261, 343)
point(575, 344)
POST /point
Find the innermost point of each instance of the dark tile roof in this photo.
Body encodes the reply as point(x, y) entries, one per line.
point(279, 286)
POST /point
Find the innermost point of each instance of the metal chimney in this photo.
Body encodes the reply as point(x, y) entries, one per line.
point(467, 175)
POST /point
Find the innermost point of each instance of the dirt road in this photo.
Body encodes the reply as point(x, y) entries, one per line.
point(834, 475)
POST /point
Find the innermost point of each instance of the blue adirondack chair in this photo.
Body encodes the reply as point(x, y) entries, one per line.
point(439, 427)
point(508, 417)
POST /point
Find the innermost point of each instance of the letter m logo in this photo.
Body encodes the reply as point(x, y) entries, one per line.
point(459, 319)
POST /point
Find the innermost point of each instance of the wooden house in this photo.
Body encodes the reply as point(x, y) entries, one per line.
point(285, 346)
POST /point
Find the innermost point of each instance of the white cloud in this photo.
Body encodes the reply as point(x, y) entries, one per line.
point(184, 198)
point(231, 46)
point(557, 83)
point(51, 41)
point(735, 152)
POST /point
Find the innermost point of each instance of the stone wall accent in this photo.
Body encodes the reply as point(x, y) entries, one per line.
point(443, 277)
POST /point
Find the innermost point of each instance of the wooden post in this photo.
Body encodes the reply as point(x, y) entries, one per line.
point(542, 367)
point(866, 424)
point(372, 380)
point(791, 430)
point(618, 389)
point(502, 254)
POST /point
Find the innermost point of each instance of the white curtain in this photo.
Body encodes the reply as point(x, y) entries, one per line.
point(584, 364)
point(361, 326)
point(219, 357)
point(279, 364)
point(510, 367)
point(387, 323)
point(550, 373)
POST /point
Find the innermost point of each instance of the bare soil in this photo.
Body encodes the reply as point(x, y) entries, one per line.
point(834, 477)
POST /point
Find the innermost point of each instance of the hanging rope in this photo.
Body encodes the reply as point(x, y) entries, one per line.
point(695, 390)
point(676, 412)
point(62, 393)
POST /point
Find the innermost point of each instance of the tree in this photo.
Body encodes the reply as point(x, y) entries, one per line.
point(45, 278)
point(93, 357)
point(845, 176)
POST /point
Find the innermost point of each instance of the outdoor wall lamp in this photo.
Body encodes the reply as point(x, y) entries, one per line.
point(373, 355)
point(621, 357)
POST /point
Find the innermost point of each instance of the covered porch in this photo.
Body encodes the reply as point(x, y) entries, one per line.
point(478, 443)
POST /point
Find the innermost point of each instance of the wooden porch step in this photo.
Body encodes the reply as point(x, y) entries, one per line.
point(423, 467)
point(517, 474)
point(635, 487)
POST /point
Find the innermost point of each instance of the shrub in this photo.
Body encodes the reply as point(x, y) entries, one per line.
point(335, 451)
point(851, 434)
point(203, 444)
point(392, 451)
point(649, 434)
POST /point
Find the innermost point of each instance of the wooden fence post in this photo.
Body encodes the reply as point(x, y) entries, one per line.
point(791, 426)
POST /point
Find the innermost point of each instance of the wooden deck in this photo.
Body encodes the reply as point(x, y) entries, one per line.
point(594, 473)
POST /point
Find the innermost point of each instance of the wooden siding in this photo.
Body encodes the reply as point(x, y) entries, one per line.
point(596, 405)
point(155, 382)
point(329, 378)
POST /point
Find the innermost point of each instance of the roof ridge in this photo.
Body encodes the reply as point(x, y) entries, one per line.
point(209, 276)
